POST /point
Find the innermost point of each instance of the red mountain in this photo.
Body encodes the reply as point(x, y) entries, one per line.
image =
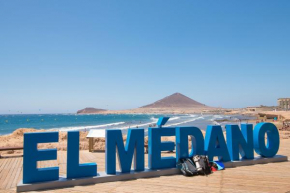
point(176, 100)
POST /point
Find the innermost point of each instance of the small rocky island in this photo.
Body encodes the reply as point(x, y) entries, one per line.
point(90, 110)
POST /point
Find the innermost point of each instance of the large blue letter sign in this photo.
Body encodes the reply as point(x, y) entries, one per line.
point(155, 161)
point(31, 155)
point(74, 169)
point(215, 144)
point(134, 146)
point(197, 142)
point(273, 140)
point(240, 141)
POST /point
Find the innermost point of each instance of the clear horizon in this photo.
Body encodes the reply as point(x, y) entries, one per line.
point(63, 56)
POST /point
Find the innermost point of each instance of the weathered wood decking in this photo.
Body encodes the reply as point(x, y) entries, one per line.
point(273, 177)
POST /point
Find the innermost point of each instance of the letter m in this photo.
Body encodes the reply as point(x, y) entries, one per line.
point(134, 148)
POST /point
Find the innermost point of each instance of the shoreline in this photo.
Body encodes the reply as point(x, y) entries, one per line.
point(121, 122)
point(15, 139)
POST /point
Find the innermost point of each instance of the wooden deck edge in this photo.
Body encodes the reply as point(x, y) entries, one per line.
point(103, 177)
point(256, 160)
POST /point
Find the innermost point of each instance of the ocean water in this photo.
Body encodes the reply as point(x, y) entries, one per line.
point(68, 122)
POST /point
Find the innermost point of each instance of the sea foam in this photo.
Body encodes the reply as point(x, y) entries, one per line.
point(86, 127)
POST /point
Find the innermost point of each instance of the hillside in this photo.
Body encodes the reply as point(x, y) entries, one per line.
point(176, 100)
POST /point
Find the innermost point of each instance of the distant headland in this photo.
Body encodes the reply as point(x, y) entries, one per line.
point(90, 110)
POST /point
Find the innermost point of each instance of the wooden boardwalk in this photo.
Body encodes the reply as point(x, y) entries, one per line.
point(273, 177)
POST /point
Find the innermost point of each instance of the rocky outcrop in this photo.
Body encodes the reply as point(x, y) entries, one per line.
point(90, 110)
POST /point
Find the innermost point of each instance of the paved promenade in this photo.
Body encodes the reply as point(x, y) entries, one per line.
point(273, 177)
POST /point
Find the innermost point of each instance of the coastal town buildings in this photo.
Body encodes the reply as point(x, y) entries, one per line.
point(284, 103)
point(261, 108)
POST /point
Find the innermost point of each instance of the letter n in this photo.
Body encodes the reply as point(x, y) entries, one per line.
point(240, 141)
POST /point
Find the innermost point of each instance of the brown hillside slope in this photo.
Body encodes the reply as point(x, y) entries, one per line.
point(176, 100)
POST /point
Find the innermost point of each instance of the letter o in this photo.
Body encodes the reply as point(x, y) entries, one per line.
point(273, 140)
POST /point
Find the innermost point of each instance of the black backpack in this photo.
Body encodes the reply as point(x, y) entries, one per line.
point(202, 164)
point(187, 167)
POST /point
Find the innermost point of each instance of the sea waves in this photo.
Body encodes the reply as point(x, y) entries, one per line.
point(184, 122)
point(87, 127)
point(127, 125)
point(69, 122)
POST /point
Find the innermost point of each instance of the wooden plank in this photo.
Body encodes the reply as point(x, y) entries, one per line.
point(2, 164)
point(12, 174)
point(5, 173)
point(18, 173)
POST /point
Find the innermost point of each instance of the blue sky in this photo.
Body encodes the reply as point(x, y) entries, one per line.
point(61, 56)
